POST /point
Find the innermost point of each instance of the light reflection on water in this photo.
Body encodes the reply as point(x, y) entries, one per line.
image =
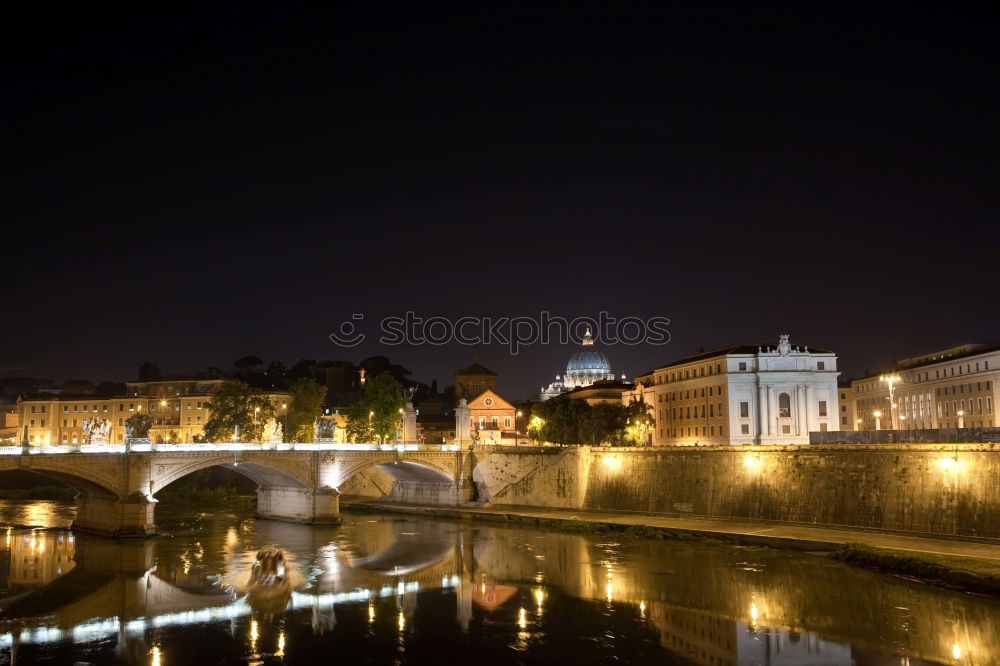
point(383, 589)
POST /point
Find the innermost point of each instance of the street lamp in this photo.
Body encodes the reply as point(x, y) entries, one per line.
point(878, 419)
point(858, 424)
point(891, 380)
point(961, 418)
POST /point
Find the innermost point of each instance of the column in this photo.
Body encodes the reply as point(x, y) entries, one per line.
point(410, 424)
point(800, 410)
point(810, 403)
point(768, 411)
point(463, 421)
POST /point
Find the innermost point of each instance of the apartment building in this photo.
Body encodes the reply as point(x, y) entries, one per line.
point(951, 388)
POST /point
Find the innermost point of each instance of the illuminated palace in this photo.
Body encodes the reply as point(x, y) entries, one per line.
point(586, 366)
point(745, 394)
point(178, 407)
point(951, 388)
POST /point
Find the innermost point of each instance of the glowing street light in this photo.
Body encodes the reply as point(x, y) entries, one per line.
point(878, 419)
point(961, 418)
point(891, 380)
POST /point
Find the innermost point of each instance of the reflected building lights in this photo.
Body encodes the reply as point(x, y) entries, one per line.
point(154, 659)
point(281, 645)
point(956, 651)
point(401, 620)
point(522, 618)
point(371, 612)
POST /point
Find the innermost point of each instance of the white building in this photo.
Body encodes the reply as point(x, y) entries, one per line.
point(745, 394)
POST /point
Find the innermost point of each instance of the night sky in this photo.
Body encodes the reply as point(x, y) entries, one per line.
point(189, 188)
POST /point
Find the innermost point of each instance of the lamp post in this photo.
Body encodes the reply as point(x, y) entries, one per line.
point(857, 424)
point(878, 419)
point(370, 415)
point(891, 380)
point(961, 418)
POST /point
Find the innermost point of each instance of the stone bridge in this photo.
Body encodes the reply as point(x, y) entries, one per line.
point(117, 489)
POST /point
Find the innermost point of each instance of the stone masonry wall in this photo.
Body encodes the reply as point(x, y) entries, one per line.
point(931, 489)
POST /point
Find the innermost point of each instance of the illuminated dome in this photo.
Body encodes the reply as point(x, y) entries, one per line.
point(587, 365)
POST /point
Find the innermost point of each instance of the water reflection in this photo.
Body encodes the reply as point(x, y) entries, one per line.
point(409, 590)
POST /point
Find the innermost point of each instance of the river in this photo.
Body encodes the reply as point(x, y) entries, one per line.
point(391, 589)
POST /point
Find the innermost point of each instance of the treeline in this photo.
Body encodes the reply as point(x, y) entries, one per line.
point(575, 422)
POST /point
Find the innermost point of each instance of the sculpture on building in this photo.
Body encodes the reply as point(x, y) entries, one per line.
point(784, 348)
point(96, 431)
point(137, 426)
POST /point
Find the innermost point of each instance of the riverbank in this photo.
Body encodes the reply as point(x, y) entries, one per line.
point(963, 565)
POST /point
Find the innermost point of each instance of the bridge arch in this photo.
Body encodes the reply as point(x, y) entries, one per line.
point(90, 479)
point(265, 472)
point(402, 468)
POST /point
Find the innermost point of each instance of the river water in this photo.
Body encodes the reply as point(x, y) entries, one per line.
point(389, 589)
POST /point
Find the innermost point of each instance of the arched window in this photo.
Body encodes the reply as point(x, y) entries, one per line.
point(784, 405)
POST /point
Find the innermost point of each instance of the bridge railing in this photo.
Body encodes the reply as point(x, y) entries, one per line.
point(147, 447)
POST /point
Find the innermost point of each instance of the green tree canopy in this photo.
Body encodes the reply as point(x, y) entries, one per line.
point(306, 406)
point(237, 404)
point(574, 422)
point(375, 416)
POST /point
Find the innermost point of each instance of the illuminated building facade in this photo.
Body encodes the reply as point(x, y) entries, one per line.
point(179, 409)
point(951, 388)
point(741, 395)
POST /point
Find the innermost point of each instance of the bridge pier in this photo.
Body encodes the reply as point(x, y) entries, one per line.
point(315, 506)
point(129, 516)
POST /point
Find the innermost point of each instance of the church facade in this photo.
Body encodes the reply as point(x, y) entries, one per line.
point(741, 395)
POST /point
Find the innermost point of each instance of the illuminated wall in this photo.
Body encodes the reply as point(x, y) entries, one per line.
point(935, 489)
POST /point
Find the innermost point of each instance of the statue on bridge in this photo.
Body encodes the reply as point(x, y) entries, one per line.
point(272, 432)
point(137, 427)
point(96, 431)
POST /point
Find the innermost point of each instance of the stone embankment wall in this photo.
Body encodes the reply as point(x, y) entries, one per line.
point(935, 489)
point(930, 489)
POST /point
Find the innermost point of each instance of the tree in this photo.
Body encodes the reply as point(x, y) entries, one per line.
point(149, 371)
point(306, 406)
point(304, 367)
point(574, 422)
point(375, 416)
point(276, 369)
point(638, 423)
point(236, 404)
point(108, 389)
point(248, 363)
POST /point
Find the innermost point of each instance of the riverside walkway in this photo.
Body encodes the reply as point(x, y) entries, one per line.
point(799, 537)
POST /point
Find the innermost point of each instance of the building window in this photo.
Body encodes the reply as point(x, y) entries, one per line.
point(506, 422)
point(822, 427)
point(843, 420)
point(820, 365)
point(822, 407)
point(744, 410)
point(743, 366)
point(744, 428)
point(786, 430)
point(784, 406)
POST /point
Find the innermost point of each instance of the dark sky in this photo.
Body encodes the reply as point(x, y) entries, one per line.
point(188, 188)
